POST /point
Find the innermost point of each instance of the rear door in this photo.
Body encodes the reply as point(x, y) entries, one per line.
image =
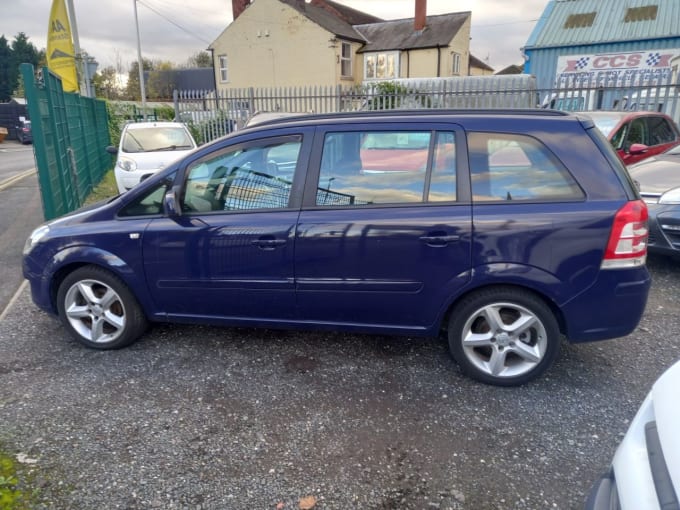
point(383, 239)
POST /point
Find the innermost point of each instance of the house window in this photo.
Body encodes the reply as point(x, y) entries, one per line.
point(456, 64)
point(381, 66)
point(224, 69)
point(645, 13)
point(580, 20)
point(346, 60)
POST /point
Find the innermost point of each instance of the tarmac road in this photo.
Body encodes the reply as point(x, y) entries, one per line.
point(20, 212)
point(216, 418)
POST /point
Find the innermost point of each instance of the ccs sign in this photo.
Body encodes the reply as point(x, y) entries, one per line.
point(627, 61)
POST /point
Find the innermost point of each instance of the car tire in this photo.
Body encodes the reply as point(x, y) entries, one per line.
point(504, 336)
point(98, 309)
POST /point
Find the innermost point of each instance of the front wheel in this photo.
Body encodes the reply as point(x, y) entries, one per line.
point(98, 309)
point(503, 336)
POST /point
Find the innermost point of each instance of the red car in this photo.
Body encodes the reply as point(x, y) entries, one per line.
point(637, 135)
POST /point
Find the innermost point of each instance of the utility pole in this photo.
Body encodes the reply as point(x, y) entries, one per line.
point(140, 62)
point(81, 64)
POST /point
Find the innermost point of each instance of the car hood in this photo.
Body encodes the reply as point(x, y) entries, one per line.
point(155, 160)
point(657, 174)
point(664, 396)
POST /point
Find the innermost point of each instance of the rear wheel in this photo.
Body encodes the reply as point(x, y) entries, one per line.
point(503, 336)
point(99, 310)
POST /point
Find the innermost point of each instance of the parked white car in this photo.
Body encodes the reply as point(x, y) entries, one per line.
point(645, 472)
point(147, 147)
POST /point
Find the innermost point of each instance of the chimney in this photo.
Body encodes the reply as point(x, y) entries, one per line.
point(421, 15)
point(238, 6)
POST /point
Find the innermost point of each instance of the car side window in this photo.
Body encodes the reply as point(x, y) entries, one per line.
point(254, 176)
point(385, 167)
point(512, 167)
point(443, 179)
point(660, 131)
point(637, 133)
point(150, 203)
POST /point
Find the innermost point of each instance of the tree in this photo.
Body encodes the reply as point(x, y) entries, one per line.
point(7, 84)
point(132, 90)
point(200, 59)
point(107, 83)
point(23, 51)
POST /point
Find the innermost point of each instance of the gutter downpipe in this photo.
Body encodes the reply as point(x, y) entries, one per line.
point(439, 61)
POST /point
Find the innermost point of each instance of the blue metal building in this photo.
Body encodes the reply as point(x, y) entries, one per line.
point(605, 43)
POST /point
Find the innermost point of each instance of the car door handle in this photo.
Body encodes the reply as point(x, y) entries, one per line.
point(268, 244)
point(437, 240)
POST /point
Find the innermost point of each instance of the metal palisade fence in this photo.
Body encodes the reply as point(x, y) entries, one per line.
point(214, 113)
point(70, 134)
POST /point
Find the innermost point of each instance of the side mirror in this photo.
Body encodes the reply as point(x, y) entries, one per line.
point(172, 207)
point(638, 148)
point(112, 150)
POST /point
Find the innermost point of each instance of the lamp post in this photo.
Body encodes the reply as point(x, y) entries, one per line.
point(140, 63)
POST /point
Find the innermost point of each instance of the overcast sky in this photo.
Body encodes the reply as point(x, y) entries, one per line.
point(176, 29)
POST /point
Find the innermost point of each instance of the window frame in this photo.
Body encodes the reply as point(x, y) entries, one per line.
point(296, 183)
point(476, 153)
point(375, 55)
point(455, 64)
point(223, 64)
point(463, 193)
point(346, 60)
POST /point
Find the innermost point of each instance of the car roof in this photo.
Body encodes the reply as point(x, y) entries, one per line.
point(426, 114)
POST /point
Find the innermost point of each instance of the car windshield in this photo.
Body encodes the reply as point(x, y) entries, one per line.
point(152, 139)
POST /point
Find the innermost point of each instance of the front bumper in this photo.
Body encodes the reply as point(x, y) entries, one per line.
point(664, 229)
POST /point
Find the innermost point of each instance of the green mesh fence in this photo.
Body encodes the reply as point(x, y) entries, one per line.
point(70, 134)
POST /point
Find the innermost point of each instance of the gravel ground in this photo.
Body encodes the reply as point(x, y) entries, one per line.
point(216, 418)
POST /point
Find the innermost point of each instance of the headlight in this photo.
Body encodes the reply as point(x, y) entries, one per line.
point(671, 197)
point(129, 165)
point(35, 237)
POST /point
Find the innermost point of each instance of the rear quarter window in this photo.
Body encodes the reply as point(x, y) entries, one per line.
point(514, 167)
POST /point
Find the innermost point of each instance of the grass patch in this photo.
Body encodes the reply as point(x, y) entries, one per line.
point(105, 189)
point(12, 497)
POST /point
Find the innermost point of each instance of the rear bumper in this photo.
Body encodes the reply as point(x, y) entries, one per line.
point(612, 307)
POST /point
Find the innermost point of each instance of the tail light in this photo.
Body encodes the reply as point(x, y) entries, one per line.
point(627, 244)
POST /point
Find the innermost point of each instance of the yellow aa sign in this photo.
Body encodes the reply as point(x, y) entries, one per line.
point(60, 54)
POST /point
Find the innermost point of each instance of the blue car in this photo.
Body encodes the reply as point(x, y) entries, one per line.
point(504, 230)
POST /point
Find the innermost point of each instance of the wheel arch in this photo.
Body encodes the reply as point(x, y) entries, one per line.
point(75, 257)
point(550, 303)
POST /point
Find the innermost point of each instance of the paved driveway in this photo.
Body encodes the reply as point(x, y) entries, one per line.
point(201, 417)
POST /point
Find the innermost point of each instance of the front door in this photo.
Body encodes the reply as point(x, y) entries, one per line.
point(230, 254)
